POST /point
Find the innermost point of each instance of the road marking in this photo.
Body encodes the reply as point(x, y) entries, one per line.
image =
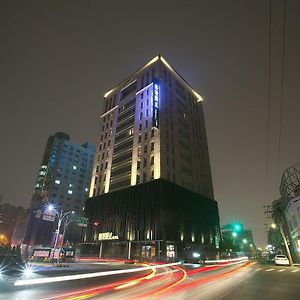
point(269, 270)
point(281, 270)
point(258, 269)
point(294, 271)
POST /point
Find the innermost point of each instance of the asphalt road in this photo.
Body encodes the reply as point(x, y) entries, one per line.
point(239, 281)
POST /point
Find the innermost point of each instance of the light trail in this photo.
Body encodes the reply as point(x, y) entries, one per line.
point(35, 281)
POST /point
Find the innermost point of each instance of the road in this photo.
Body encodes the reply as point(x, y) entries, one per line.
point(249, 280)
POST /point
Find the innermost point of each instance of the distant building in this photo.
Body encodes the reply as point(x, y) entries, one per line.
point(151, 186)
point(65, 174)
point(9, 215)
point(63, 179)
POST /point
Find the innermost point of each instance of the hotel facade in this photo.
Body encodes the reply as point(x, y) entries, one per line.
point(152, 144)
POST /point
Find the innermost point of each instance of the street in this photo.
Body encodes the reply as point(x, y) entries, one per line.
point(248, 280)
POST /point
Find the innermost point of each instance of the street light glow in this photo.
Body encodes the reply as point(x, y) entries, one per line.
point(234, 234)
point(245, 241)
point(273, 225)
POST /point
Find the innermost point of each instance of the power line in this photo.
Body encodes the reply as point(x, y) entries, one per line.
point(282, 88)
point(268, 103)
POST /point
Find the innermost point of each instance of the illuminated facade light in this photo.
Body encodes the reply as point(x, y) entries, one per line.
point(74, 167)
point(70, 192)
point(57, 181)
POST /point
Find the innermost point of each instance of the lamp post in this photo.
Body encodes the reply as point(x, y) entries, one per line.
point(60, 215)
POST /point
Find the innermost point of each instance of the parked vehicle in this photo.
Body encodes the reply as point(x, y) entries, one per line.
point(281, 260)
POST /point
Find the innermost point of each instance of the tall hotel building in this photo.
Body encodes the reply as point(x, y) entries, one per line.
point(152, 127)
point(151, 184)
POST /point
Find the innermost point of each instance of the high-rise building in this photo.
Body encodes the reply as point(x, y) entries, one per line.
point(152, 127)
point(65, 173)
point(151, 190)
point(63, 180)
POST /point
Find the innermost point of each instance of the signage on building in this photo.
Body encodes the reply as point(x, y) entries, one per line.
point(41, 252)
point(107, 236)
point(155, 104)
point(49, 216)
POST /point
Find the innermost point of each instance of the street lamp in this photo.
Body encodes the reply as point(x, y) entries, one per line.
point(273, 225)
point(61, 215)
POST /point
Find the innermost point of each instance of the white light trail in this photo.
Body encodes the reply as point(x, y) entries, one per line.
point(22, 282)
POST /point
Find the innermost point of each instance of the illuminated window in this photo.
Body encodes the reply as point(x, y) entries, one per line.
point(74, 167)
point(70, 192)
point(139, 150)
point(70, 185)
point(86, 189)
point(131, 131)
point(57, 181)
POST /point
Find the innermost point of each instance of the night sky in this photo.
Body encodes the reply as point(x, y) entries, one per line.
point(58, 58)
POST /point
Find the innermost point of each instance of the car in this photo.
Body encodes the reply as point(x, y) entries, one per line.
point(281, 260)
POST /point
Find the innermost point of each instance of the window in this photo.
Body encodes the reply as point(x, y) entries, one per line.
point(147, 99)
point(141, 116)
point(100, 147)
point(140, 138)
point(139, 150)
point(152, 132)
point(145, 148)
point(142, 96)
point(146, 135)
point(111, 122)
point(70, 192)
point(105, 134)
point(103, 127)
point(140, 126)
point(145, 162)
point(106, 164)
point(147, 112)
point(106, 125)
point(152, 146)
point(138, 165)
point(104, 178)
point(152, 174)
point(131, 131)
point(144, 177)
point(108, 143)
point(101, 167)
point(146, 123)
point(141, 105)
point(110, 132)
point(101, 137)
point(137, 178)
point(103, 155)
point(152, 160)
point(104, 146)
